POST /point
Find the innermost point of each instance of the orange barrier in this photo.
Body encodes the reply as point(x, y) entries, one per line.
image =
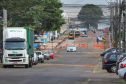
point(83, 45)
point(98, 45)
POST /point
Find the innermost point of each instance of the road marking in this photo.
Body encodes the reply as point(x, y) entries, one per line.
point(81, 52)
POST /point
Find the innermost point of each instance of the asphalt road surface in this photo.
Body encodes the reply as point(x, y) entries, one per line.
point(81, 67)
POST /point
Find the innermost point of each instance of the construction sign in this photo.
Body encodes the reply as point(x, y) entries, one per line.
point(113, 41)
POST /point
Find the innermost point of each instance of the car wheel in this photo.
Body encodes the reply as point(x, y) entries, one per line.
point(47, 58)
point(42, 61)
point(109, 70)
point(124, 77)
point(113, 69)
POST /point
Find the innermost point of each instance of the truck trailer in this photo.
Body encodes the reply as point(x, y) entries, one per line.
point(18, 46)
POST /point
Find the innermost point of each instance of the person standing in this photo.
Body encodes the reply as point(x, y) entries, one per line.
point(97, 40)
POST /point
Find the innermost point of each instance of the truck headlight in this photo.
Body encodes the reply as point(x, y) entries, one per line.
point(24, 60)
point(6, 60)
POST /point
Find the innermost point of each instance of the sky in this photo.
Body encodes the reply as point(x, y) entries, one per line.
point(97, 2)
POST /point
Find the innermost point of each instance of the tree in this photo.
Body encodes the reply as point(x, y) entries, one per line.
point(15, 5)
point(90, 14)
point(41, 15)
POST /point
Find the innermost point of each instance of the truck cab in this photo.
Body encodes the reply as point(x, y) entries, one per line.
point(18, 46)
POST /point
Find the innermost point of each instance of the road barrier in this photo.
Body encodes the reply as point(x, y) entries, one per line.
point(98, 45)
point(83, 45)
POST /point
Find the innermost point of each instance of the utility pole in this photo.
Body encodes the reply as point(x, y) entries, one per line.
point(116, 24)
point(4, 18)
point(124, 24)
point(120, 17)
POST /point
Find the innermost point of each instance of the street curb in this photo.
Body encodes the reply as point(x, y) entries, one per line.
point(61, 42)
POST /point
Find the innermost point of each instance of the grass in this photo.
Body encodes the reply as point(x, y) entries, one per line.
point(122, 83)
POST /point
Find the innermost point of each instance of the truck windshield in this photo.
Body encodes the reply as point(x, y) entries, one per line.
point(15, 45)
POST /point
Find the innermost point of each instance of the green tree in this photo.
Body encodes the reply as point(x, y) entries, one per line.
point(90, 14)
point(15, 5)
point(42, 15)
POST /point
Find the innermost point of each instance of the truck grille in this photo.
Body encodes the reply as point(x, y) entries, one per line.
point(15, 60)
point(15, 54)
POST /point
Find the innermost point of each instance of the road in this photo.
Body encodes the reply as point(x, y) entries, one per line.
point(81, 67)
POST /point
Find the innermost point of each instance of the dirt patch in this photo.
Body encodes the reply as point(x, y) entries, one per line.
point(74, 65)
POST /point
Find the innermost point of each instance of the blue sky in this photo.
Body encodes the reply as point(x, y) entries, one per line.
point(97, 2)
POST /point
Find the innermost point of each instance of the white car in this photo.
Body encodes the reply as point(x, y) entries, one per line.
point(122, 69)
point(71, 48)
point(40, 56)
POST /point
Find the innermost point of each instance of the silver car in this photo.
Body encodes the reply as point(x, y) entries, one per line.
point(71, 48)
point(40, 56)
point(46, 54)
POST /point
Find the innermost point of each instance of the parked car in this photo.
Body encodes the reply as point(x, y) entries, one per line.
point(83, 34)
point(51, 53)
point(35, 59)
point(46, 54)
point(119, 60)
point(109, 61)
point(71, 48)
point(107, 51)
point(122, 69)
point(40, 56)
point(106, 30)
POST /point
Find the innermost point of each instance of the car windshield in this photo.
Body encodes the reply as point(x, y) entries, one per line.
point(71, 46)
point(70, 34)
point(77, 32)
point(50, 51)
point(15, 45)
point(45, 52)
point(38, 53)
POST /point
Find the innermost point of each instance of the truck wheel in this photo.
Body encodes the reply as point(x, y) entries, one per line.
point(26, 66)
point(5, 66)
point(30, 63)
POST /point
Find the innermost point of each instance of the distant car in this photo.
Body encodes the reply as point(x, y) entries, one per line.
point(46, 54)
point(83, 34)
point(107, 51)
point(106, 30)
point(40, 56)
point(120, 60)
point(35, 59)
point(122, 69)
point(51, 53)
point(100, 37)
point(109, 61)
point(71, 48)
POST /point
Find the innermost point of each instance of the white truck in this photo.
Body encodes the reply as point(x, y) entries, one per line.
point(18, 46)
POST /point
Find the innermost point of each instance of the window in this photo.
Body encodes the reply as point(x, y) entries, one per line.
point(113, 57)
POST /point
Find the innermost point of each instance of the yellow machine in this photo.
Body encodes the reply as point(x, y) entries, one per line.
point(77, 32)
point(71, 35)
